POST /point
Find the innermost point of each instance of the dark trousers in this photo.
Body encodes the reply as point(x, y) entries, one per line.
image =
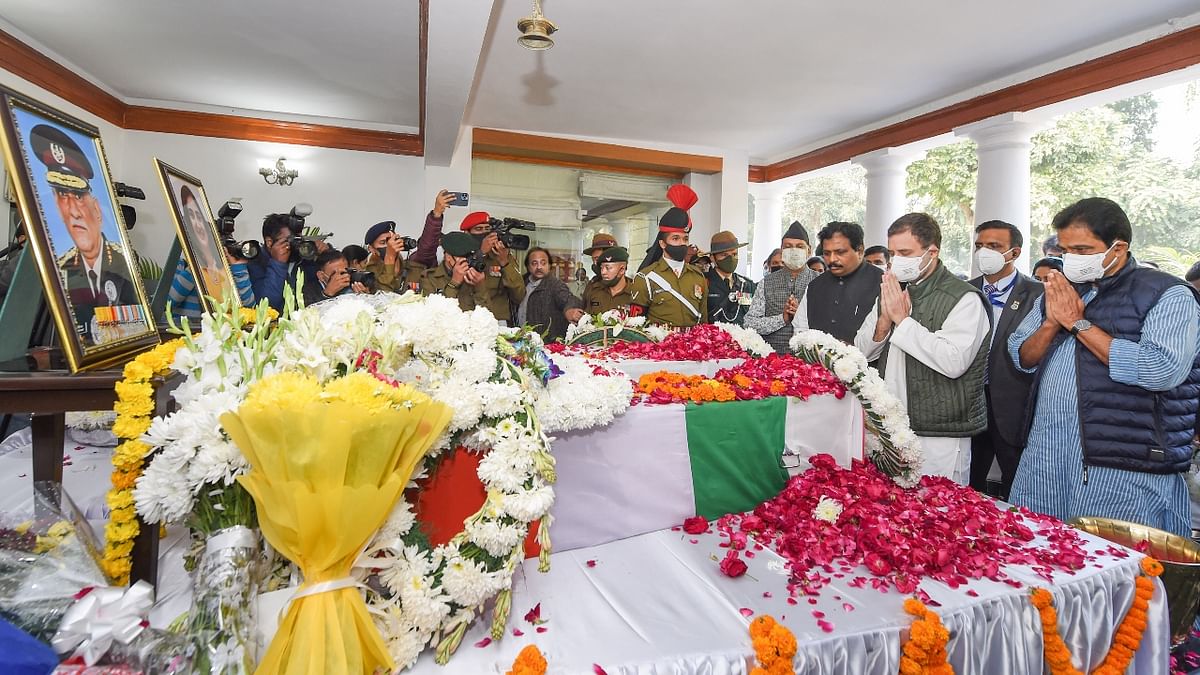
point(988, 445)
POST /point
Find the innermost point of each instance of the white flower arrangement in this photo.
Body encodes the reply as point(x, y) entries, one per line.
point(896, 450)
point(91, 420)
point(614, 321)
point(747, 339)
point(501, 410)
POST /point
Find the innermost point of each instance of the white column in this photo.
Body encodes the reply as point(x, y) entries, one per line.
point(1002, 189)
point(886, 196)
point(768, 224)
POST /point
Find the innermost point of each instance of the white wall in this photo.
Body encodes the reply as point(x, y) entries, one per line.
point(349, 191)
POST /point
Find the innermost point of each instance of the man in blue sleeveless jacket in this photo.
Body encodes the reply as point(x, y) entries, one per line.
point(1116, 351)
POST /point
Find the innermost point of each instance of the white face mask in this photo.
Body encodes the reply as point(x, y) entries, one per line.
point(1081, 269)
point(989, 261)
point(882, 266)
point(909, 268)
point(794, 258)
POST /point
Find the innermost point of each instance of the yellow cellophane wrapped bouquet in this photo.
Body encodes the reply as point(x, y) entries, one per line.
point(328, 463)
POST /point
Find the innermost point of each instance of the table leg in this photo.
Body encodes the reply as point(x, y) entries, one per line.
point(145, 554)
point(48, 431)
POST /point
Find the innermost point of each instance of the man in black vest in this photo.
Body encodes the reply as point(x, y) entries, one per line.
point(1116, 353)
point(837, 302)
point(1011, 296)
point(777, 297)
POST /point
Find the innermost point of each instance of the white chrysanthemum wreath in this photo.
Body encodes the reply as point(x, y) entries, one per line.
point(497, 383)
point(891, 443)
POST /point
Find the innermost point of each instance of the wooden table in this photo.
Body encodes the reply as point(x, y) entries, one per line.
point(49, 395)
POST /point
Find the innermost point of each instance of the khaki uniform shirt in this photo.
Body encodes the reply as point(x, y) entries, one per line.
point(436, 281)
point(502, 288)
point(661, 306)
point(597, 299)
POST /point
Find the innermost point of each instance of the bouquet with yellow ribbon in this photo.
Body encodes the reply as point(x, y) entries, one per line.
point(328, 463)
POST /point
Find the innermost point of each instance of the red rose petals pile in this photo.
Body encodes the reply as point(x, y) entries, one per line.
point(938, 530)
point(704, 342)
point(756, 378)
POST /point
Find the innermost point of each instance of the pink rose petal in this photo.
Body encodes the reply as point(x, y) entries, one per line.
point(484, 642)
point(517, 632)
point(597, 670)
point(746, 612)
point(848, 607)
point(591, 563)
point(542, 629)
point(825, 625)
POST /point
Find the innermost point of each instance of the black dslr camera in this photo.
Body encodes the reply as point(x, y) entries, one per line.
point(503, 228)
point(303, 248)
point(410, 244)
point(477, 261)
point(226, 215)
point(362, 277)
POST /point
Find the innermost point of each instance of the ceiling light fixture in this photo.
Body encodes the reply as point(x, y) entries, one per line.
point(280, 175)
point(536, 30)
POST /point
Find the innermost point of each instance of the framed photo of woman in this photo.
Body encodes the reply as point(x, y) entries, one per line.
point(208, 270)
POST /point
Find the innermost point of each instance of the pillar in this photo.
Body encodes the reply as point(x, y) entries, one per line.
point(1002, 187)
point(886, 194)
point(768, 224)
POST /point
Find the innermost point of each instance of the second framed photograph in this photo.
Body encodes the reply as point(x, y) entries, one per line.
point(69, 205)
point(208, 275)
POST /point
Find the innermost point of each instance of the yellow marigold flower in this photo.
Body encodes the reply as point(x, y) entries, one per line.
point(1151, 566)
point(139, 408)
point(129, 391)
point(130, 427)
point(137, 370)
point(120, 499)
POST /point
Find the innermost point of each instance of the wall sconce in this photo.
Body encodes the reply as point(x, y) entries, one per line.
point(280, 175)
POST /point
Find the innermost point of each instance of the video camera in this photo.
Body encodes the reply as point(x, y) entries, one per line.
point(303, 248)
point(503, 228)
point(226, 215)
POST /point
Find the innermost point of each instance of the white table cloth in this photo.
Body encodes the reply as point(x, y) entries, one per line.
point(635, 368)
point(657, 605)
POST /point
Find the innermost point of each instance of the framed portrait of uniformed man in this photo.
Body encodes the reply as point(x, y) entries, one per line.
point(78, 239)
point(199, 240)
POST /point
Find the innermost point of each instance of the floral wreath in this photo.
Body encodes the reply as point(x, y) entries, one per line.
point(506, 395)
point(891, 443)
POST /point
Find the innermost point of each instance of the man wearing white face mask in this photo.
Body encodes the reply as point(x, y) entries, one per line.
point(1115, 349)
point(931, 339)
point(1011, 296)
point(777, 298)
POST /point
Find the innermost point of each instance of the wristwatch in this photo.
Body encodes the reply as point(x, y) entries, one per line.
point(1080, 326)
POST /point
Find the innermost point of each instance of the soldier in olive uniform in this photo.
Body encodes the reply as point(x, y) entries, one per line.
point(501, 288)
point(612, 289)
point(729, 293)
point(666, 289)
point(94, 271)
point(453, 277)
point(600, 243)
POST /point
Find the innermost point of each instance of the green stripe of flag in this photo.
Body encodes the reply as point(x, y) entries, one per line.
point(735, 453)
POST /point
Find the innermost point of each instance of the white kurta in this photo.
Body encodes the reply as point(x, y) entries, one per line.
point(950, 352)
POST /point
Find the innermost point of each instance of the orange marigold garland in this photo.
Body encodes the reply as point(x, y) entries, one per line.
point(925, 650)
point(774, 646)
point(134, 408)
point(1126, 639)
point(694, 388)
point(529, 662)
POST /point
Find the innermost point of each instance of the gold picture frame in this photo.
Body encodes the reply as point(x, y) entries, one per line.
point(199, 241)
point(76, 232)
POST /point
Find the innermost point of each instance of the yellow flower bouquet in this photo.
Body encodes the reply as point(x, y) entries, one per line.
point(328, 463)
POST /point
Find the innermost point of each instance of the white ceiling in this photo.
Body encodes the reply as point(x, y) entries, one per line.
point(771, 76)
point(764, 76)
point(355, 61)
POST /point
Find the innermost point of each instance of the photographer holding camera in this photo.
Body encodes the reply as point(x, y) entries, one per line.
point(501, 287)
point(331, 278)
point(269, 270)
point(385, 261)
point(455, 278)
